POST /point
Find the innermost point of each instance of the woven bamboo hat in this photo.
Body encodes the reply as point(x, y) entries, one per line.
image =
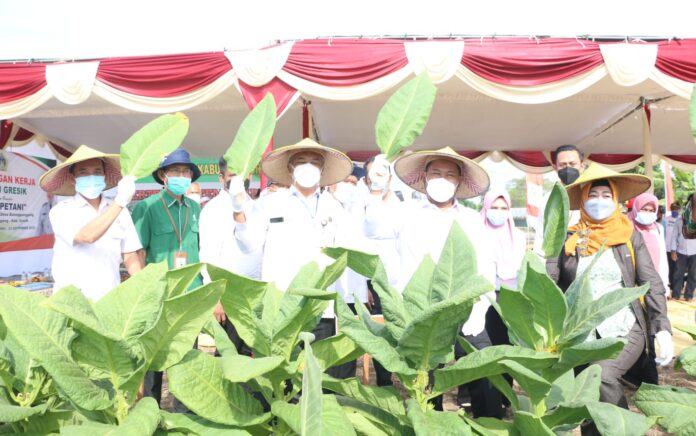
point(410, 169)
point(628, 185)
point(337, 166)
point(56, 180)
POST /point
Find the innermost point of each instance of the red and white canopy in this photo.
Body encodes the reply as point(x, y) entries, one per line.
point(514, 98)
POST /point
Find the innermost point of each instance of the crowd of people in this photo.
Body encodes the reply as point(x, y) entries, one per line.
point(320, 198)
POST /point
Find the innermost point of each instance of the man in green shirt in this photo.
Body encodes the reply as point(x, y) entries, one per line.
point(167, 224)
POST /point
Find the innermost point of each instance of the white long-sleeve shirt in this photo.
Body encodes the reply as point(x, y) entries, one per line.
point(290, 232)
point(92, 268)
point(218, 244)
point(421, 228)
point(679, 243)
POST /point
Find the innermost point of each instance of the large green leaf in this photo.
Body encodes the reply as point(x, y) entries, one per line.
point(533, 384)
point(242, 295)
point(252, 138)
point(11, 413)
point(393, 308)
point(456, 265)
point(376, 328)
point(484, 363)
point(133, 307)
point(376, 346)
point(178, 327)
point(518, 314)
point(387, 399)
point(141, 421)
point(687, 360)
point(417, 291)
point(584, 388)
point(333, 272)
point(192, 424)
point(311, 401)
point(549, 304)
point(381, 418)
point(334, 418)
point(116, 361)
point(528, 424)
point(365, 427)
point(334, 350)
point(180, 279)
point(564, 419)
point(45, 336)
point(556, 216)
point(491, 426)
point(431, 422)
point(688, 329)
point(72, 303)
point(676, 407)
point(303, 319)
point(586, 352)
point(692, 112)
point(223, 344)
point(404, 116)
point(362, 263)
point(240, 369)
point(581, 321)
point(615, 421)
point(143, 151)
point(428, 340)
point(198, 382)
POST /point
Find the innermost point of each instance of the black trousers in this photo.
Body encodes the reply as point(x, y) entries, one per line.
point(685, 265)
point(486, 400)
point(672, 265)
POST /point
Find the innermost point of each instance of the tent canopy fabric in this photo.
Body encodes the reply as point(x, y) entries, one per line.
point(506, 98)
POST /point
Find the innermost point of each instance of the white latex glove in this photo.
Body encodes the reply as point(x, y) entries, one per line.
point(379, 174)
point(666, 347)
point(126, 191)
point(237, 194)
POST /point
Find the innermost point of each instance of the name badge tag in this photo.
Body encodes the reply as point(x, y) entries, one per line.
point(180, 259)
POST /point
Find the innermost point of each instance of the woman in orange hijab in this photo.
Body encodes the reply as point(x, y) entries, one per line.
point(605, 238)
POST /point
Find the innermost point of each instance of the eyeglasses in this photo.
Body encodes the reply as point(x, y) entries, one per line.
point(179, 172)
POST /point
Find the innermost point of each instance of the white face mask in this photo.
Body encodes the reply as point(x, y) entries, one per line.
point(497, 217)
point(306, 175)
point(440, 190)
point(195, 197)
point(344, 192)
point(599, 209)
point(646, 218)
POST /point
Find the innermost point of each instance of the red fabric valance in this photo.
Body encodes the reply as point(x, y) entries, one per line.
point(677, 58)
point(527, 62)
point(613, 159)
point(163, 76)
point(530, 158)
point(687, 159)
point(345, 62)
point(20, 80)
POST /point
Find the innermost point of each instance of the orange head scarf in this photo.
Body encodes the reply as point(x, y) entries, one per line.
point(589, 235)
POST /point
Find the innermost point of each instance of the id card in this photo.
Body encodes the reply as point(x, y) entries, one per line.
point(180, 259)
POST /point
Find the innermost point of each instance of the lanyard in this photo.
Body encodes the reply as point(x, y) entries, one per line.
point(179, 234)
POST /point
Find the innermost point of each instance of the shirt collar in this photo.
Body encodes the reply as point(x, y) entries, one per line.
point(455, 208)
point(169, 199)
point(82, 202)
point(294, 191)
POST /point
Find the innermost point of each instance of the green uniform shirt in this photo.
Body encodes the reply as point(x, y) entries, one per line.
point(158, 235)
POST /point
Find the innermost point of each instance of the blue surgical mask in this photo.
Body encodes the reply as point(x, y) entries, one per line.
point(178, 185)
point(675, 213)
point(90, 187)
point(497, 217)
point(599, 209)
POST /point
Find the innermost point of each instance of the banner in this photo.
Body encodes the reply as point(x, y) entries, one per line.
point(24, 205)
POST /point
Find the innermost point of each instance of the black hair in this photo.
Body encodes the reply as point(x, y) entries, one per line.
point(675, 204)
point(459, 168)
point(71, 168)
point(567, 147)
point(601, 182)
point(368, 162)
point(222, 164)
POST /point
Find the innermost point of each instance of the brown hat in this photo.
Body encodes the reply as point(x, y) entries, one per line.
point(628, 185)
point(337, 166)
point(56, 180)
point(411, 170)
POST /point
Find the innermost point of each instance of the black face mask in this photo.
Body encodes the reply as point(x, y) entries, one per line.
point(568, 175)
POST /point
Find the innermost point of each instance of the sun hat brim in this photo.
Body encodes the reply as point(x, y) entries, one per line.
point(57, 180)
point(628, 185)
point(337, 166)
point(410, 169)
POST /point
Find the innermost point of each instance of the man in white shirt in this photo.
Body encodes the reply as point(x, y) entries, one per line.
point(291, 227)
point(218, 245)
point(92, 233)
point(568, 163)
point(421, 228)
point(683, 253)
